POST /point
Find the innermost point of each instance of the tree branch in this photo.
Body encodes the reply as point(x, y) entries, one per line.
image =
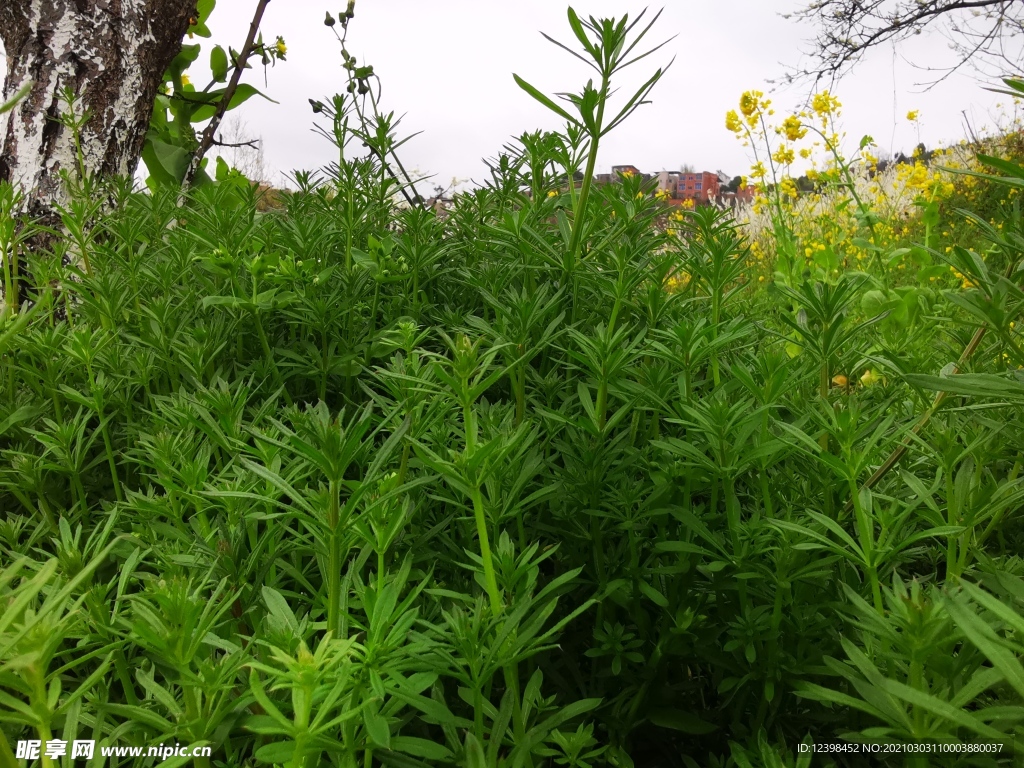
point(252, 144)
point(849, 28)
point(207, 139)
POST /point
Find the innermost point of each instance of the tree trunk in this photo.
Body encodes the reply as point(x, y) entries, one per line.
point(112, 54)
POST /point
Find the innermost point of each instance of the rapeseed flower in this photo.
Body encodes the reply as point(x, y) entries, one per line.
point(732, 121)
point(749, 102)
point(784, 155)
point(825, 104)
point(793, 128)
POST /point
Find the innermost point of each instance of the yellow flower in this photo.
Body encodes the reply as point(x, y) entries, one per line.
point(732, 121)
point(749, 102)
point(784, 155)
point(185, 80)
point(677, 282)
point(912, 115)
point(282, 49)
point(793, 129)
point(825, 104)
point(840, 380)
point(869, 378)
point(758, 170)
point(552, 193)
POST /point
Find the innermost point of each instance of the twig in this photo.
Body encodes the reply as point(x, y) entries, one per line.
point(207, 139)
point(897, 454)
point(251, 143)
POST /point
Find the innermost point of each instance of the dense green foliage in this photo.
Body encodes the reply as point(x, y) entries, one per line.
point(352, 483)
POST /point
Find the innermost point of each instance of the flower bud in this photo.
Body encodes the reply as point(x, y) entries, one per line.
point(329, 20)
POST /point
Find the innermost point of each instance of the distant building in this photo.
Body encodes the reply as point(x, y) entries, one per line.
point(626, 170)
point(700, 187)
point(686, 188)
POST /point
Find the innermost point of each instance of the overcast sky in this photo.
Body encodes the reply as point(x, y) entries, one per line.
point(447, 66)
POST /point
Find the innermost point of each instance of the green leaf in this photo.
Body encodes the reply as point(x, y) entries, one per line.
point(219, 64)
point(654, 595)
point(203, 10)
point(970, 385)
point(181, 62)
point(10, 104)
point(474, 752)
point(279, 608)
point(547, 102)
point(417, 747)
point(680, 720)
point(377, 728)
point(242, 94)
point(166, 163)
point(279, 752)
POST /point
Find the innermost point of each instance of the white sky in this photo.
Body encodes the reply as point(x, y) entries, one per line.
point(447, 66)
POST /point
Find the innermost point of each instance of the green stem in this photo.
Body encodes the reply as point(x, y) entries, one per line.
point(334, 560)
point(485, 550)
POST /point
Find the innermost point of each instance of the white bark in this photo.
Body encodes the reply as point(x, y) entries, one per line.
point(111, 55)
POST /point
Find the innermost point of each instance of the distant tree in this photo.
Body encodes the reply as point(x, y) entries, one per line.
point(242, 151)
point(805, 184)
point(686, 168)
point(734, 184)
point(985, 33)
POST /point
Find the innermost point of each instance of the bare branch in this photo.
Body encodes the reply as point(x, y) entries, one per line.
point(979, 31)
point(206, 140)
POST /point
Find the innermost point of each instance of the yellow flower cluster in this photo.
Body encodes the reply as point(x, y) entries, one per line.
point(793, 128)
point(923, 180)
point(677, 282)
point(825, 105)
point(784, 155)
point(965, 282)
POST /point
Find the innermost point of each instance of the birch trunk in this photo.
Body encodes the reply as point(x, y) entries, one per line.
point(112, 54)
